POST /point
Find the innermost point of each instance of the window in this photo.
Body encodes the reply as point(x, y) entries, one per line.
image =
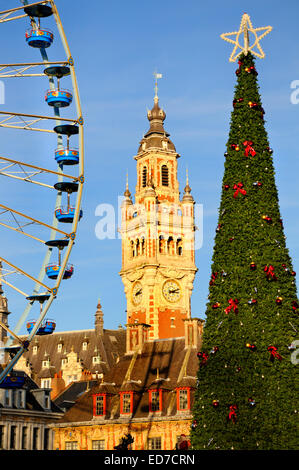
point(34, 349)
point(183, 399)
point(8, 398)
point(164, 171)
point(46, 364)
point(47, 439)
point(84, 346)
point(144, 177)
point(63, 362)
point(13, 434)
point(1, 436)
point(179, 247)
point(24, 437)
point(45, 383)
point(98, 445)
point(99, 405)
point(47, 402)
point(59, 347)
point(20, 398)
point(71, 445)
point(35, 436)
point(154, 443)
point(96, 359)
point(126, 403)
point(155, 400)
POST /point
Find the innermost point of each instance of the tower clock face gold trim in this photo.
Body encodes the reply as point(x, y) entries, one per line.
point(171, 290)
point(137, 293)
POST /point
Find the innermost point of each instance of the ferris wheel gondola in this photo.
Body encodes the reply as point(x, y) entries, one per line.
point(40, 37)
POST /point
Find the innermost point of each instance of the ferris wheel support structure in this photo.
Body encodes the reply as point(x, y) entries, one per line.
point(28, 122)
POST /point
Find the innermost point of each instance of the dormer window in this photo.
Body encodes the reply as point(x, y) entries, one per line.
point(59, 347)
point(155, 400)
point(84, 345)
point(99, 404)
point(126, 402)
point(96, 359)
point(183, 399)
point(45, 383)
point(47, 402)
point(46, 364)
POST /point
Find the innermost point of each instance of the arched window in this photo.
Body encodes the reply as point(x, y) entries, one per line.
point(142, 246)
point(161, 244)
point(165, 176)
point(170, 246)
point(179, 246)
point(144, 176)
point(132, 249)
point(137, 247)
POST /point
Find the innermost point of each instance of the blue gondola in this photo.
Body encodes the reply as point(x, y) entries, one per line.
point(12, 382)
point(58, 98)
point(40, 38)
point(66, 215)
point(52, 271)
point(45, 329)
point(65, 156)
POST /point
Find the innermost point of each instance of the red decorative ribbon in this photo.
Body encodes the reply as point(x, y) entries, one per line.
point(232, 416)
point(270, 272)
point(213, 278)
point(239, 189)
point(233, 304)
point(248, 148)
point(274, 353)
point(204, 356)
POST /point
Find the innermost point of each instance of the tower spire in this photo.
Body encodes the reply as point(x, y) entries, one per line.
point(157, 76)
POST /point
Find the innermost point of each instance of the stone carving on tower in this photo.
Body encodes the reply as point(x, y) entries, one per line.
point(157, 231)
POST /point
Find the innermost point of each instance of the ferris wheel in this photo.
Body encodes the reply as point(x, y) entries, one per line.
point(57, 185)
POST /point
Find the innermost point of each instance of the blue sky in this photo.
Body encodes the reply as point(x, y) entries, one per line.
point(117, 46)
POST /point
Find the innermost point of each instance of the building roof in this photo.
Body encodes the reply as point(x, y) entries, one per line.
point(109, 346)
point(161, 364)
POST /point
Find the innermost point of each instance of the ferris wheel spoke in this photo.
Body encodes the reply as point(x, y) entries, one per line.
point(39, 170)
point(39, 222)
point(27, 124)
point(29, 276)
point(4, 15)
point(19, 70)
point(13, 286)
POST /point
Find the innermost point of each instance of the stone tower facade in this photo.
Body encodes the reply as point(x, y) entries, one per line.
point(158, 256)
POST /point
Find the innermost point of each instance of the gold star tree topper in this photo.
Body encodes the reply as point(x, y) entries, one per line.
point(246, 28)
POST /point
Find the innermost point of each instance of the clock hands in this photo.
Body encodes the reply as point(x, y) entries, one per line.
point(173, 291)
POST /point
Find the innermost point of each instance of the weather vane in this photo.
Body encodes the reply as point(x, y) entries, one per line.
point(246, 28)
point(157, 76)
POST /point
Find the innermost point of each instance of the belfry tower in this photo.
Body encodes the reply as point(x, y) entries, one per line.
point(158, 262)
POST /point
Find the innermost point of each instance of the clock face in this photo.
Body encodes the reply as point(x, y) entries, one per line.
point(137, 293)
point(171, 291)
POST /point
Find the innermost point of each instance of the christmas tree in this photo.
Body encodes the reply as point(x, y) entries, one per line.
point(247, 392)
